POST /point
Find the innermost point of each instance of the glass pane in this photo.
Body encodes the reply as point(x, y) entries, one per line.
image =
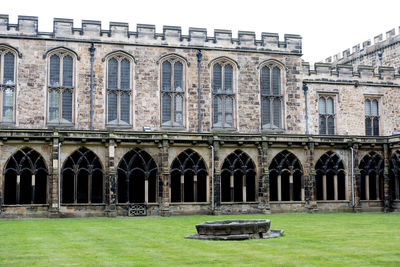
point(166, 109)
point(112, 108)
point(125, 108)
point(265, 81)
point(322, 125)
point(228, 112)
point(217, 110)
point(54, 71)
point(67, 106)
point(367, 107)
point(67, 71)
point(178, 68)
point(330, 106)
point(8, 103)
point(375, 110)
point(217, 78)
point(322, 105)
point(125, 74)
point(112, 74)
point(368, 128)
point(266, 113)
point(178, 110)
point(331, 125)
point(228, 79)
point(166, 76)
point(376, 126)
point(8, 69)
point(277, 113)
point(276, 81)
point(54, 106)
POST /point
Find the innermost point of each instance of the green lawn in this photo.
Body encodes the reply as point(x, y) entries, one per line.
point(340, 239)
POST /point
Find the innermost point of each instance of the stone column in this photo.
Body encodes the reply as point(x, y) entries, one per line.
point(90, 188)
point(386, 190)
point(302, 188)
point(195, 188)
point(182, 187)
point(279, 185)
point(357, 191)
point(75, 184)
point(377, 187)
point(146, 190)
point(366, 187)
point(33, 180)
point(165, 176)
point(309, 178)
point(53, 178)
point(111, 183)
point(335, 187)
point(127, 185)
point(291, 187)
point(324, 191)
point(244, 189)
point(263, 180)
point(217, 174)
point(232, 186)
point(18, 190)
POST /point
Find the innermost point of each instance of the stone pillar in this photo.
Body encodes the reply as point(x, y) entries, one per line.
point(324, 191)
point(366, 187)
point(377, 187)
point(18, 190)
point(291, 187)
point(53, 179)
point(90, 188)
point(111, 180)
point(217, 174)
point(357, 191)
point(263, 180)
point(165, 176)
point(335, 187)
point(244, 189)
point(33, 180)
point(309, 178)
point(279, 183)
point(232, 186)
point(195, 188)
point(302, 188)
point(75, 184)
point(182, 187)
point(386, 190)
point(146, 190)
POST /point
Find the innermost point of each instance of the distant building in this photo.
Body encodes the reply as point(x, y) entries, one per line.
point(100, 122)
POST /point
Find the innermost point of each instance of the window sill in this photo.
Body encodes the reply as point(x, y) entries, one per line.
point(224, 129)
point(60, 125)
point(173, 128)
point(7, 124)
point(273, 131)
point(118, 126)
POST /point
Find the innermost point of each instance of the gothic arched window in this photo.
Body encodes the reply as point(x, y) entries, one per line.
point(326, 106)
point(61, 87)
point(271, 96)
point(7, 84)
point(172, 92)
point(371, 168)
point(119, 89)
point(82, 178)
point(394, 175)
point(223, 90)
point(371, 117)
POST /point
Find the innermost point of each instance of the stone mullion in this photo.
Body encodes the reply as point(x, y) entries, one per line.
point(386, 190)
point(165, 176)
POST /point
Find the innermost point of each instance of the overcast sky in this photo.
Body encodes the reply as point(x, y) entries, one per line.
point(327, 27)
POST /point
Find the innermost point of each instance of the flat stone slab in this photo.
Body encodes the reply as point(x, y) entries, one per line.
point(270, 234)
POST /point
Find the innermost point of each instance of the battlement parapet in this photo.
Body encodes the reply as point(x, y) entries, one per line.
point(343, 71)
point(360, 50)
point(146, 34)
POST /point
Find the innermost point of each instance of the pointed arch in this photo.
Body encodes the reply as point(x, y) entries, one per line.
point(12, 48)
point(82, 178)
point(173, 55)
point(188, 178)
point(330, 177)
point(371, 169)
point(224, 59)
point(121, 53)
point(394, 175)
point(25, 178)
point(286, 178)
point(137, 178)
point(238, 175)
point(61, 49)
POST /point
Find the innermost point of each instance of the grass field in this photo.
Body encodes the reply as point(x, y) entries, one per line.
point(341, 239)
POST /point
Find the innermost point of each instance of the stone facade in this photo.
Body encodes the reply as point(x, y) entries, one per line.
point(66, 169)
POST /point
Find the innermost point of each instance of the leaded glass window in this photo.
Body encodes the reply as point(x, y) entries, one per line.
point(326, 108)
point(223, 95)
point(371, 117)
point(172, 93)
point(271, 97)
point(119, 88)
point(7, 84)
point(61, 88)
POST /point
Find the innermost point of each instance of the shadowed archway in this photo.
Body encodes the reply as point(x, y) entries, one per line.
point(371, 168)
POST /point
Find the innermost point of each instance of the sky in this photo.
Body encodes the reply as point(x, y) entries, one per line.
point(327, 27)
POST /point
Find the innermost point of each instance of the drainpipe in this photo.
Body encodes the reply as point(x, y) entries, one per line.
point(59, 175)
point(91, 50)
point(212, 180)
point(305, 89)
point(199, 56)
point(352, 177)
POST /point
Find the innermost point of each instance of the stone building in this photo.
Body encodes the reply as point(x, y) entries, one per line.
point(114, 122)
